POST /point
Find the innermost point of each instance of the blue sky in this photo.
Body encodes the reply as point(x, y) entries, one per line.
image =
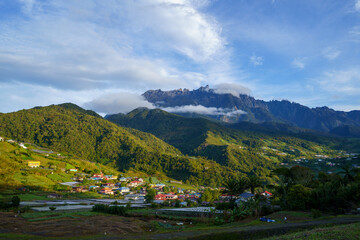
point(103, 54)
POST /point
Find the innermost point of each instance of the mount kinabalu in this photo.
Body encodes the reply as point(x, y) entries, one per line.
point(320, 118)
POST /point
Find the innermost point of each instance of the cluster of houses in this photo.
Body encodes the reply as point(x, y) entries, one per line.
point(133, 189)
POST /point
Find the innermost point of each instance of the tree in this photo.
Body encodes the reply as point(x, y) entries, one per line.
point(15, 201)
point(285, 181)
point(253, 182)
point(235, 186)
point(348, 174)
point(150, 195)
point(299, 197)
point(301, 175)
point(206, 196)
point(231, 187)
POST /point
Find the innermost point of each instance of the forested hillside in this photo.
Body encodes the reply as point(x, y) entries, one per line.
point(70, 129)
point(242, 150)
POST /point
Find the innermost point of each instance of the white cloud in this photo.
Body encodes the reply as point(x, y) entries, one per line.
point(27, 6)
point(124, 102)
point(120, 102)
point(331, 53)
point(298, 63)
point(231, 88)
point(200, 109)
point(178, 25)
point(28, 95)
point(86, 45)
point(341, 82)
point(357, 5)
point(256, 60)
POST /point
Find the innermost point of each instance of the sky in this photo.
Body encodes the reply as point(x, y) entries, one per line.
point(103, 55)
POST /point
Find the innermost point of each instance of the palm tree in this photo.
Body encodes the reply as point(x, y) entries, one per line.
point(253, 182)
point(235, 186)
point(348, 174)
point(243, 184)
point(231, 187)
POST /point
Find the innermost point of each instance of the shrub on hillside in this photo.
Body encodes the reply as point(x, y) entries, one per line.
point(116, 210)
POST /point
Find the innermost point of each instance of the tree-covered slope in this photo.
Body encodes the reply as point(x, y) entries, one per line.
point(74, 131)
point(243, 150)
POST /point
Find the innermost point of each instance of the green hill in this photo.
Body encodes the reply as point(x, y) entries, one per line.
point(73, 131)
point(54, 168)
point(247, 151)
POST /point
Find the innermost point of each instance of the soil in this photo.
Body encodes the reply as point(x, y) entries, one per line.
point(116, 227)
point(71, 227)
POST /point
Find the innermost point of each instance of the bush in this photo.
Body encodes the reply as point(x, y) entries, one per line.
point(316, 213)
point(52, 208)
point(225, 205)
point(265, 210)
point(154, 205)
point(116, 210)
point(219, 221)
point(15, 201)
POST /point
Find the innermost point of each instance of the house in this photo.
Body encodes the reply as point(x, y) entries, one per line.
point(182, 197)
point(97, 177)
point(160, 197)
point(54, 195)
point(123, 189)
point(139, 179)
point(123, 179)
point(165, 197)
point(171, 196)
point(1, 139)
point(106, 191)
point(93, 187)
point(78, 179)
point(110, 177)
point(80, 189)
point(134, 183)
point(266, 194)
point(10, 141)
point(73, 170)
point(108, 185)
point(33, 164)
point(134, 197)
point(244, 197)
point(22, 145)
point(158, 187)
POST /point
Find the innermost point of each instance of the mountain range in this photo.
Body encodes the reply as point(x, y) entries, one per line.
point(156, 142)
point(253, 110)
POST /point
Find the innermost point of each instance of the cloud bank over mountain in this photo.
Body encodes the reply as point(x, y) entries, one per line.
point(231, 88)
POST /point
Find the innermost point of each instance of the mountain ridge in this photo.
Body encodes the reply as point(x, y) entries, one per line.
point(320, 118)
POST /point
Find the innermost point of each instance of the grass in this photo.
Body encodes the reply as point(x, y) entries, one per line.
point(23, 196)
point(44, 216)
point(30, 197)
point(348, 232)
point(18, 236)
